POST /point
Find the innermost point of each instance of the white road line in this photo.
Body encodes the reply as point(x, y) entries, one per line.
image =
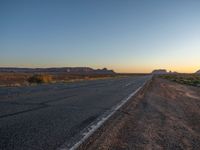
point(93, 128)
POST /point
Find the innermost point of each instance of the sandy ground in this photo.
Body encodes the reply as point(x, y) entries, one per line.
point(165, 115)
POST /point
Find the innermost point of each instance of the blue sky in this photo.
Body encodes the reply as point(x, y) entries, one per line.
point(124, 35)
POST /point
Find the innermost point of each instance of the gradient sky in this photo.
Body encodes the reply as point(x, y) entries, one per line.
point(124, 35)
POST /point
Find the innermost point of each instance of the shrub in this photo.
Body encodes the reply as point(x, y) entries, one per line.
point(42, 78)
point(189, 79)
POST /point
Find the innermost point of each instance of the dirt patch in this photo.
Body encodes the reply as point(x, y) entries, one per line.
point(164, 116)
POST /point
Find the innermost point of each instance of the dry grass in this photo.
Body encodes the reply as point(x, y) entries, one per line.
point(13, 79)
point(40, 78)
point(25, 79)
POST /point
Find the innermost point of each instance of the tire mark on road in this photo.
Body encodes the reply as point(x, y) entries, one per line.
point(24, 111)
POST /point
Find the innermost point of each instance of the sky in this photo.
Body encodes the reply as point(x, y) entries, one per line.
point(124, 35)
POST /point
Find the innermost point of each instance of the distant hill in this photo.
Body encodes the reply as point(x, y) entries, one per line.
point(198, 72)
point(159, 71)
point(67, 70)
point(162, 71)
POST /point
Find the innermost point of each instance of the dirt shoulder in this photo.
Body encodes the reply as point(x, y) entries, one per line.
point(165, 115)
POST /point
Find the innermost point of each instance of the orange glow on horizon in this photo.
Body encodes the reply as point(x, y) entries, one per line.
point(180, 69)
point(120, 69)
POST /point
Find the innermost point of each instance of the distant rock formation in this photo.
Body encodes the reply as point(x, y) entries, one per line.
point(159, 71)
point(198, 72)
point(163, 71)
point(67, 70)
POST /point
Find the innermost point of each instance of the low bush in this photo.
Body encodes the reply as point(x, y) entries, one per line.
point(189, 79)
point(41, 78)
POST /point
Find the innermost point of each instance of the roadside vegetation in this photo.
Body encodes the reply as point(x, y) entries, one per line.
point(189, 79)
point(40, 78)
point(27, 79)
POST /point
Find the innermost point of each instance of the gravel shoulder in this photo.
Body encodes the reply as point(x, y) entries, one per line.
point(163, 115)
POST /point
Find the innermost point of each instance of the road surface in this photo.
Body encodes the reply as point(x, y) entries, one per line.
point(47, 116)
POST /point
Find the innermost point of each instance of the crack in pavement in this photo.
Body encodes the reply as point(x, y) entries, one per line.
point(40, 106)
point(24, 111)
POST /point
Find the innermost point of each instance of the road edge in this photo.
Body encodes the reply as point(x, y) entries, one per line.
point(94, 129)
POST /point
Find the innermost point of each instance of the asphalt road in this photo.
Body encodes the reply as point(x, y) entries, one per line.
point(47, 116)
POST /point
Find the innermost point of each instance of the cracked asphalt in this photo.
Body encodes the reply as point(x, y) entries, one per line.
point(47, 116)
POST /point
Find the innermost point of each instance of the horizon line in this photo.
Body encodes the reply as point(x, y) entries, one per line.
point(45, 67)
